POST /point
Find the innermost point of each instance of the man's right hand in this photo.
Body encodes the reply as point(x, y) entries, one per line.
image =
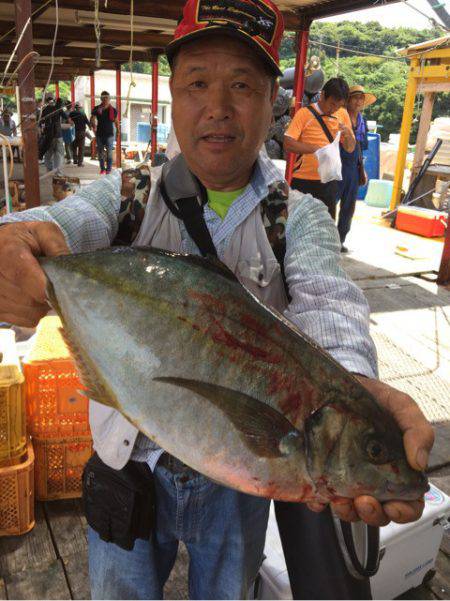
point(22, 281)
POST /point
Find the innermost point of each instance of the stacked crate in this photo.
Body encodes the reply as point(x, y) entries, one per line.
point(16, 455)
point(57, 414)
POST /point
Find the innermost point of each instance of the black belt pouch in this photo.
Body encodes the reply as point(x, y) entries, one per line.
point(119, 504)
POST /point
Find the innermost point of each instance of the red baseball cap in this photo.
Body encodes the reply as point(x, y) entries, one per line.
point(259, 23)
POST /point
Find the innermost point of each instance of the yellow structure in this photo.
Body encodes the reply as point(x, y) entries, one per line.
point(429, 73)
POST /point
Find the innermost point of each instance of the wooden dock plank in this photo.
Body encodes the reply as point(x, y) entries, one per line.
point(67, 526)
point(46, 581)
point(22, 553)
point(77, 573)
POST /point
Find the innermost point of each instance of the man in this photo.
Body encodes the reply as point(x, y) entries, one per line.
point(103, 120)
point(52, 146)
point(7, 125)
point(80, 120)
point(314, 127)
point(353, 174)
point(223, 87)
point(8, 128)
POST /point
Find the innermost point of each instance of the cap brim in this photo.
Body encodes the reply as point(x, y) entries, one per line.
point(173, 46)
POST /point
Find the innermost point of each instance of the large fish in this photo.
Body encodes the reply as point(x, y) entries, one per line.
point(230, 387)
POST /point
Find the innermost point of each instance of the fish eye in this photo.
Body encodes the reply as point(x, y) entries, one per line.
point(377, 451)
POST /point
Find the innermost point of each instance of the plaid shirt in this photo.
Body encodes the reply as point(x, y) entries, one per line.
point(326, 305)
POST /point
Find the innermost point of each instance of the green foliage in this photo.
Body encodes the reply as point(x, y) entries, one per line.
point(386, 78)
point(140, 67)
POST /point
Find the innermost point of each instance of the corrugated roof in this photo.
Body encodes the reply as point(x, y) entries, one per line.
point(154, 23)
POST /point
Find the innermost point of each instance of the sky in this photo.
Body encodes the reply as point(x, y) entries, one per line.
point(394, 15)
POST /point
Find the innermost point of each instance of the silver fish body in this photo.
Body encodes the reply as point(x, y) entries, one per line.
point(222, 382)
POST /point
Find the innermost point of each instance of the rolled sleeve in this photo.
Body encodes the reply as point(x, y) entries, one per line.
point(88, 220)
point(326, 305)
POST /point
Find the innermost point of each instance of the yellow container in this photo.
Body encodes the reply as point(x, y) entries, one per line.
point(17, 496)
point(13, 444)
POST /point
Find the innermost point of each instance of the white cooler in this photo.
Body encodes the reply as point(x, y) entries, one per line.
point(408, 553)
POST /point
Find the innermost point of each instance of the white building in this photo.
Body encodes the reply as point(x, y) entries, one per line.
point(139, 105)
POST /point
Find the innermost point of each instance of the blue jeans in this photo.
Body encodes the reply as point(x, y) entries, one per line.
point(348, 191)
point(105, 147)
point(224, 532)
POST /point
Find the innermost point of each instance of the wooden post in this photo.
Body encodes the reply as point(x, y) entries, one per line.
point(57, 90)
point(444, 269)
point(299, 86)
point(92, 90)
point(22, 10)
point(424, 126)
point(119, 116)
point(154, 123)
point(72, 92)
point(408, 113)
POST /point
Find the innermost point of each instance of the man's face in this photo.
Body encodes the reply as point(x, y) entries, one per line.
point(356, 102)
point(105, 100)
point(331, 104)
point(222, 109)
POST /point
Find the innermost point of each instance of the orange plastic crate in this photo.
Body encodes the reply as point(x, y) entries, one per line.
point(55, 407)
point(59, 465)
point(13, 444)
point(17, 496)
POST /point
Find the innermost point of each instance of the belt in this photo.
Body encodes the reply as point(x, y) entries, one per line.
point(173, 464)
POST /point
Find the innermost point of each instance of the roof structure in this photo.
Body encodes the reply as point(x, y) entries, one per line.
point(154, 24)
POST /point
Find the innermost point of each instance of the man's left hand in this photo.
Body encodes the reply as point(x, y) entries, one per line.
point(418, 438)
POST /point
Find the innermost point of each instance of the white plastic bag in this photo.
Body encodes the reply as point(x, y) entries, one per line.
point(330, 164)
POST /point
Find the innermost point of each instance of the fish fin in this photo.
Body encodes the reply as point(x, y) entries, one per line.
point(263, 429)
point(93, 387)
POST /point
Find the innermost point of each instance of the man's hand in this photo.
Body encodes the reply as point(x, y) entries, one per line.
point(22, 281)
point(418, 438)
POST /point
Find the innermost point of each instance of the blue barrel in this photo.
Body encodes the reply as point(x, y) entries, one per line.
point(143, 131)
point(371, 162)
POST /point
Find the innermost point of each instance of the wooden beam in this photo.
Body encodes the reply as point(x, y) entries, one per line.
point(22, 10)
point(433, 87)
point(172, 10)
point(424, 126)
point(107, 36)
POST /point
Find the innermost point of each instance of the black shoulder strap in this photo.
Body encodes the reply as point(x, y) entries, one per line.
point(190, 211)
point(322, 123)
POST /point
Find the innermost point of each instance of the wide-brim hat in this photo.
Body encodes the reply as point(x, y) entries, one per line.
point(369, 98)
point(259, 23)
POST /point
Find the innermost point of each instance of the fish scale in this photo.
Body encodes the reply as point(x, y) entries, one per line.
point(222, 382)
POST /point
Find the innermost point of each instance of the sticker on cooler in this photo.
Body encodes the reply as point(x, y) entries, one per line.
point(434, 496)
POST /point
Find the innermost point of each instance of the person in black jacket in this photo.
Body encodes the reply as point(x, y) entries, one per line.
point(80, 120)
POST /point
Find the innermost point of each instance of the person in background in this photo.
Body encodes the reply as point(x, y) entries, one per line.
point(68, 133)
point(353, 174)
point(103, 120)
point(52, 145)
point(8, 128)
point(80, 121)
point(7, 125)
point(313, 127)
